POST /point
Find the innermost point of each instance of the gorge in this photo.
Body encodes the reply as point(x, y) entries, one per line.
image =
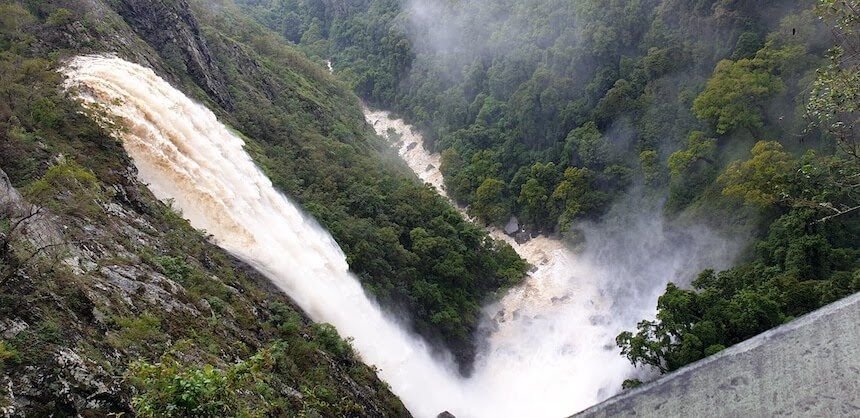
point(375, 208)
point(550, 340)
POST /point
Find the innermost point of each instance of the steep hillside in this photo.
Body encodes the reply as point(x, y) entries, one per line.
point(112, 303)
point(741, 115)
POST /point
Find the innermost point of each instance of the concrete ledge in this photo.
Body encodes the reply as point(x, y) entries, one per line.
point(809, 367)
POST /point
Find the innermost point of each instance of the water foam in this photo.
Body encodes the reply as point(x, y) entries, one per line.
point(549, 352)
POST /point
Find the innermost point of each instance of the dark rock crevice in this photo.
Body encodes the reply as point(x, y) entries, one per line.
point(172, 29)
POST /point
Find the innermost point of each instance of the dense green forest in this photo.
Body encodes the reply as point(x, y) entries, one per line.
point(410, 248)
point(557, 107)
point(810, 254)
point(741, 114)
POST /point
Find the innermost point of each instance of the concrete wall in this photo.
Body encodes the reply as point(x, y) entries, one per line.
point(809, 367)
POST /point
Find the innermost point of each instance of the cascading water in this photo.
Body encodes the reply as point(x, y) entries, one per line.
point(185, 154)
point(548, 339)
point(547, 354)
point(552, 339)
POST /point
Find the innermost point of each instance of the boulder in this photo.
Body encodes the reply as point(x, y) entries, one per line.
point(512, 226)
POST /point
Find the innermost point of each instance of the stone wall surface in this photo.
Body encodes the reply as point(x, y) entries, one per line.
point(809, 367)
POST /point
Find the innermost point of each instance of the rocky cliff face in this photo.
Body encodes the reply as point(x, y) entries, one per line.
point(171, 28)
point(97, 276)
point(85, 297)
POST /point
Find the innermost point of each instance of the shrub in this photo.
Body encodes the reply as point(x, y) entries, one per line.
point(68, 188)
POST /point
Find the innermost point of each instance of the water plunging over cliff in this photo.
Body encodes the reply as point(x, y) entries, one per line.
point(549, 352)
point(185, 154)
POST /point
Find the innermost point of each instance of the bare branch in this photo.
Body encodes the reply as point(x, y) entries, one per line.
point(837, 214)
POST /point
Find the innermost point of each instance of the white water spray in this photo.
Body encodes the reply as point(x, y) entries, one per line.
point(548, 353)
point(185, 154)
point(551, 344)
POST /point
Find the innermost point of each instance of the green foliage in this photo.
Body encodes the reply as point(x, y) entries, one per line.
point(68, 188)
point(631, 383)
point(63, 160)
point(591, 147)
point(591, 87)
point(748, 44)
point(699, 148)
point(7, 354)
point(537, 191)
point(328, 337)
point(175, 268)
point(649, 163)
point(169, 388)
point(60, 17)
point(823, 186)
point(810, 254)
point(490, 201)
point(803, 263)
point(834, 103)
point(308, 133)
point(691, 169)
point(572, 195)
point(761, 180)
point(734, 97)
point(142, 332)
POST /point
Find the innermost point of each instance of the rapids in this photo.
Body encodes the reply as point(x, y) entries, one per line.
point(549, 349)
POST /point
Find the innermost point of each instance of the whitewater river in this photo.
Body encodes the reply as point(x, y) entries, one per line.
point(550, 347)
point(551, 341)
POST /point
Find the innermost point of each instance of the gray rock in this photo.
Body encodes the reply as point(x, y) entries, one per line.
point(11, 327)
point(9, 196)
point(159, 291)
point(512, 226)
point(174, 31)
point(522, 237)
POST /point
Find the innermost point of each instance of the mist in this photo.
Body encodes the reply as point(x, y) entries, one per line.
point(547, 347)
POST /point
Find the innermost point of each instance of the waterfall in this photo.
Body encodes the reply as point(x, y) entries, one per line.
point(551, 340)
point(550, 348)
point(183, 153)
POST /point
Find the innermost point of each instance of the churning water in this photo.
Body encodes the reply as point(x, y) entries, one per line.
point(549, 351)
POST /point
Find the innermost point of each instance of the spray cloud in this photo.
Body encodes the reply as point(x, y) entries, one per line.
point(549, 349)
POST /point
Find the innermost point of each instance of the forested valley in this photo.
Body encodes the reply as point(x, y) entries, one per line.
point(742, 115)
point(733, 116)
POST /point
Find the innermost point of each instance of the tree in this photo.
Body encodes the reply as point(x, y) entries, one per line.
point(534, 197)
point(699, 148)
point(169, 388)
point(489, 204)
point(589, 145)
point(691, 169)
point(734, 96)
point(834, 103)
point(763, 179)
point(672, 340)
point(649, 162)
point(571, 195)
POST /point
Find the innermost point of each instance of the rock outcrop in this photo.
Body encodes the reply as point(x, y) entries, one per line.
point(171, 28)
